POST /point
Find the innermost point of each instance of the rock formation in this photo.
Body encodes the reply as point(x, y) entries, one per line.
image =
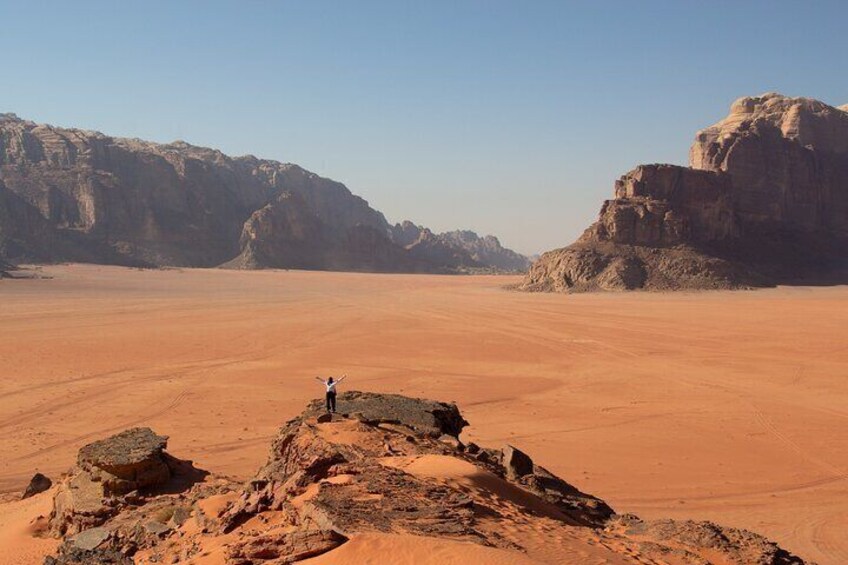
point(765, 201)
point(39, 483)
point(384, 464)
point(487, 250)
point(461, 250)
point(113, 474)
point(74, 195)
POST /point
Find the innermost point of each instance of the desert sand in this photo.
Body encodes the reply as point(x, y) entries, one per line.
point(727, 406)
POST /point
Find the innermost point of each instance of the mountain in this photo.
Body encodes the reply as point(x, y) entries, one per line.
point(75, 195)
point(763, 202)
point(460, 249)
point(387, 473)
point(487, 250)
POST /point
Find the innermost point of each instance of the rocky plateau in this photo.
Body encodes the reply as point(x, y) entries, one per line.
point(384, 465)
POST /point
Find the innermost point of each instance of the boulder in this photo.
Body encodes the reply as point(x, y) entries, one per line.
point(112, 473)
point(39, 483)
point(131, 460)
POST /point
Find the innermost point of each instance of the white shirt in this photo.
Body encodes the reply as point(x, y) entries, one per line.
point(331, 386)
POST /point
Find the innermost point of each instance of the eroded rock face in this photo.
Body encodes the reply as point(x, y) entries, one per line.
point(788, 161)
point(765, 201)
point(75, 195)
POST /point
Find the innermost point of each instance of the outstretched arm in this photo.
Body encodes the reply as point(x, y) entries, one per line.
point(320, 380)
point(343, 377)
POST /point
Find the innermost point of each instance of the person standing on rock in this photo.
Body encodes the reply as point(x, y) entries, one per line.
point(331, 391)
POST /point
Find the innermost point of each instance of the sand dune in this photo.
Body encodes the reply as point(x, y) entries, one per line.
point(721, 406)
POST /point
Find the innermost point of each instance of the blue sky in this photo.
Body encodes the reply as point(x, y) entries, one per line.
point(511, 118)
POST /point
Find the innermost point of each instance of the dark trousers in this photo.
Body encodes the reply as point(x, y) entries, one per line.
point(331, 402)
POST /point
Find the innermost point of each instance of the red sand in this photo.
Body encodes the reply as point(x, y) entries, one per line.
point(721, 406)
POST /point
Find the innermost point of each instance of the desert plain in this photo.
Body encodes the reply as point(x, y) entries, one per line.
point(724, 406)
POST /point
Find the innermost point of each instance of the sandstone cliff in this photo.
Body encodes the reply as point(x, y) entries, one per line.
point(74, 195)
point(765, 201)
point(387, 468)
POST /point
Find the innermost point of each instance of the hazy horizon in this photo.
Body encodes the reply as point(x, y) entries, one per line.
point(506, 120)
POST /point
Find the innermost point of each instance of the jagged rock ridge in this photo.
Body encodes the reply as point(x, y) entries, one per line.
point(460, 249)
point(75, 195)
point(765, 201)
point(372, 469)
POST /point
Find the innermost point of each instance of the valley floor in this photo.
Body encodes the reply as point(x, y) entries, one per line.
point(727, 406)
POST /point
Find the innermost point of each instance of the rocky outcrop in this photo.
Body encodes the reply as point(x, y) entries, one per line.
point(765, 201)
point(426, 417)
point(688, 541)
point(75, 195)
point(383, 464)
point(112, 474)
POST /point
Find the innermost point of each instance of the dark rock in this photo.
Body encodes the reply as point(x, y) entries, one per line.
point(424, 416)
point(582, 508)
point(516, 463)
point(39, 483)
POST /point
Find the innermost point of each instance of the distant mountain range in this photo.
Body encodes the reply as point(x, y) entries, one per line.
point(75, 195)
